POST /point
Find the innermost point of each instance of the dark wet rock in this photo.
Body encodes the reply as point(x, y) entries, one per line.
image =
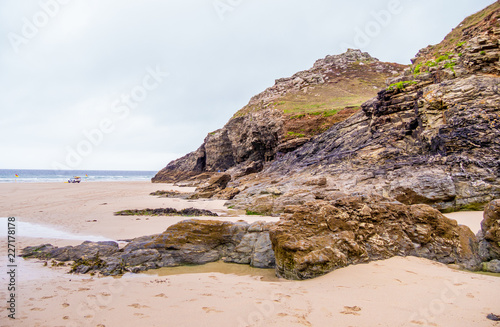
point(188, 212)
point(248, 168)
point(493, 317)
point(321, 236)
point(71, 253)
point(138, 257)
point(190, 242)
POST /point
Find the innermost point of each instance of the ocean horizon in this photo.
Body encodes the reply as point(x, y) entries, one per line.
point(61, 176)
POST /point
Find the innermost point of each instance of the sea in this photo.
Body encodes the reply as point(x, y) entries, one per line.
point(58, 176)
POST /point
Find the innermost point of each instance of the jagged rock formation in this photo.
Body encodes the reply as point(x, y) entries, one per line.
point(285, 116)
point(186, 243)
point(489, 237)
point(321, 236)
point(188, 212)
point(433, 136)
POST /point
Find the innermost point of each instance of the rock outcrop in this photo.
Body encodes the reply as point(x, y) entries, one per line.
point(190, 242)
point(432, 136)
point(321, 236)
point(285, 116)
point(216, 185)
point(489, 236)
point(310, 240)
point(188, 212)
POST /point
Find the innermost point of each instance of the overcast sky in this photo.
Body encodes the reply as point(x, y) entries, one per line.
point(133, 84)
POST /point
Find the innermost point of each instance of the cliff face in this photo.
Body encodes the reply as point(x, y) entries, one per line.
point(286, 115)
point(432, 136)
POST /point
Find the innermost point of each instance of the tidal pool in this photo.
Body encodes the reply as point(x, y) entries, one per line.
point(217, 267)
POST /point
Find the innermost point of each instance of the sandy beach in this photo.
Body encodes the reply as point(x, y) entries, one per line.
point(396, 292)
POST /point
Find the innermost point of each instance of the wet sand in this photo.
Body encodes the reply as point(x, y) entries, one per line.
point(396, 292)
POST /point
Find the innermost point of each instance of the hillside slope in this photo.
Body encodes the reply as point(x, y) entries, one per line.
point(432, 136)
point(285, 116)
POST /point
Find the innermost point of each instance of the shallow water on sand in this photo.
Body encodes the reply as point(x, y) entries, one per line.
point(267, 275)
point(25, 229)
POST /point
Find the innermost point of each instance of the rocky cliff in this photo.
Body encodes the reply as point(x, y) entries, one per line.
point(285, 116)
point(432, 136)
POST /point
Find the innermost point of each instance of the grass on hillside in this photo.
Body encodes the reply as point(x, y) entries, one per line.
point(453, 39)
point(351, 90)
point(327, 99)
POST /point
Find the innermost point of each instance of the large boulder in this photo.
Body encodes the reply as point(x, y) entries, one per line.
point(489, 236)
point(255, 248)
point(492, 266)
point(321, 236)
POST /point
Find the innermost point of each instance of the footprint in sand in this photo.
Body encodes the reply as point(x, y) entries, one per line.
point(208, 310)
point(161, 295)
point(65, 305)
point(65, 317)
point(137, 306)
point(418, 322)
point(351, 310)
point(37, 309)
point(83, 289)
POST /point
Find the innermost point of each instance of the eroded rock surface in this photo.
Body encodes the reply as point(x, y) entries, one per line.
point(432, 136)
point(321, 236)
point(489, 236)
point(190, 242)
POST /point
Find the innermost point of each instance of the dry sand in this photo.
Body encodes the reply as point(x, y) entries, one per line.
point(396, 292)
